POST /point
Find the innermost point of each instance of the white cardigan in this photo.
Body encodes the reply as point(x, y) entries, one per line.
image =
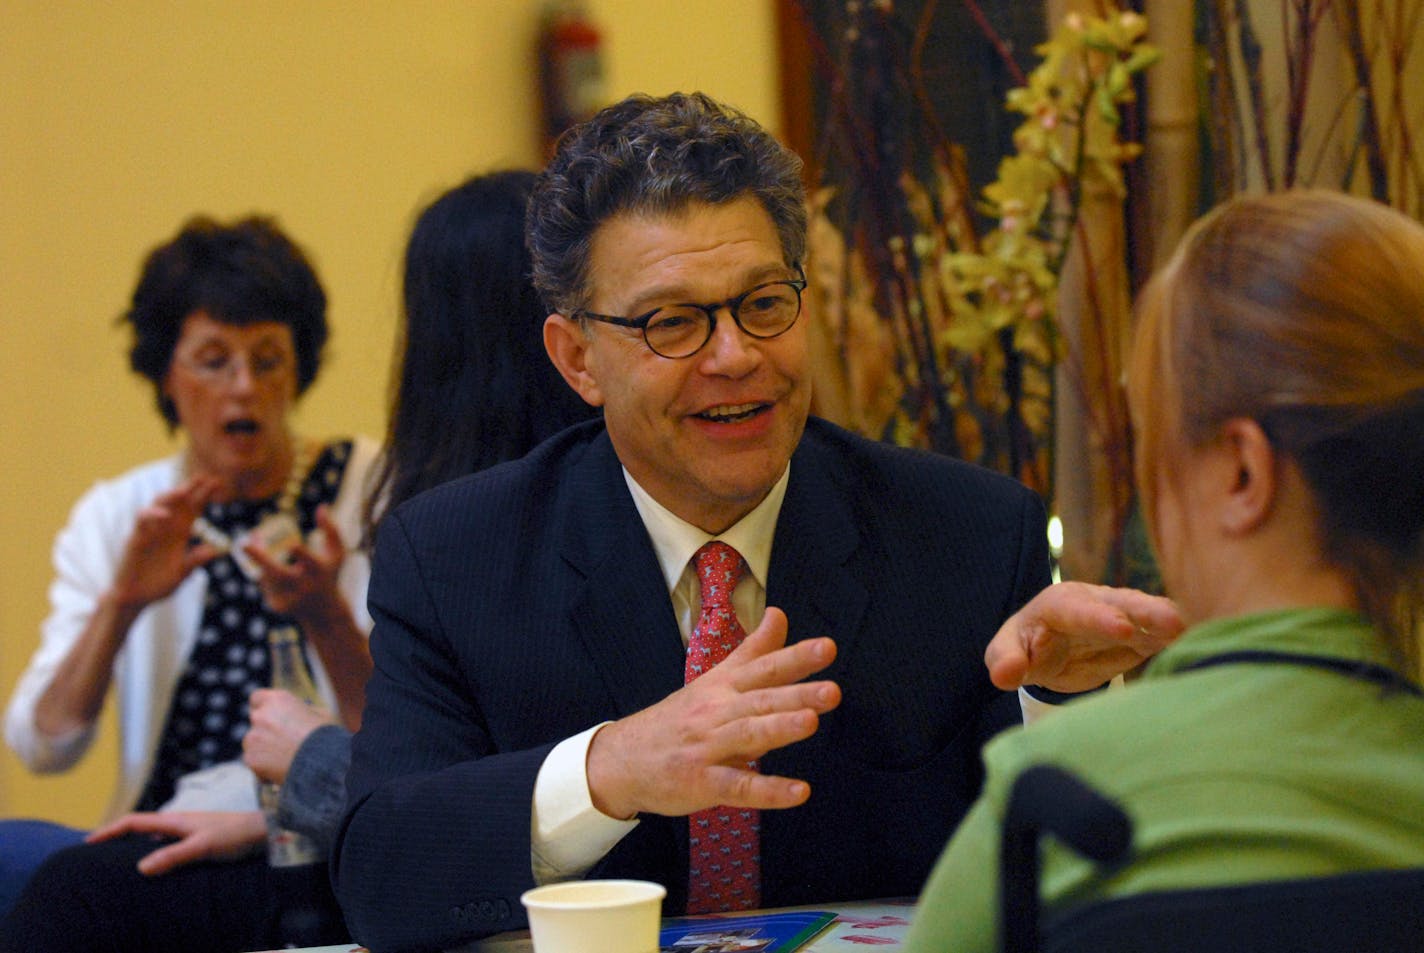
point(86, 556)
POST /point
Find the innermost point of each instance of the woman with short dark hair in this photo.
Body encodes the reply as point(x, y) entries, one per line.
point(471, 387)
point(168, 577)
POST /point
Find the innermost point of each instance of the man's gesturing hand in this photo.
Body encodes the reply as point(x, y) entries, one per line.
point(690, 750)
point(1073, 636)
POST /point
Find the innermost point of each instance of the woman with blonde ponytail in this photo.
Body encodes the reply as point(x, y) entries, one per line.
point(1277, 394)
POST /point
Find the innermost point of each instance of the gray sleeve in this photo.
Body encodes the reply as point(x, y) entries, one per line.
point(314, 794)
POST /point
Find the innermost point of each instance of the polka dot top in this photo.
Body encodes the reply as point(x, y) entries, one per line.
point(208, 715)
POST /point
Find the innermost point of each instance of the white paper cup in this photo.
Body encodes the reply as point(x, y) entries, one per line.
point(595, 916)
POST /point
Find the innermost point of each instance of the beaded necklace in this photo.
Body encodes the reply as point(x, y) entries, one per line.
point(276, 532)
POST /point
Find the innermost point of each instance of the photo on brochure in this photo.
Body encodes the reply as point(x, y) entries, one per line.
point(762, 933)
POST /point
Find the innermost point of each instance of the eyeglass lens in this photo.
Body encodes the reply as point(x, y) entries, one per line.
point(763, 312)
point(223, 365)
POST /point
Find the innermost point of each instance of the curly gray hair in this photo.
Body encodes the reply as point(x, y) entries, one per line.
point(654, 154)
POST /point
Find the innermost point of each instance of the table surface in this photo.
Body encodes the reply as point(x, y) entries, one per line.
point(858, 924)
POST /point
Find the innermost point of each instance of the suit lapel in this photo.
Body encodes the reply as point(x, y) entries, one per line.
point(621, 608)
point(814, 579)
point(811, 576)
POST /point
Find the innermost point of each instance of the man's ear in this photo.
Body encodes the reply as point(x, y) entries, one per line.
point(568, 346)
point(1251, 474)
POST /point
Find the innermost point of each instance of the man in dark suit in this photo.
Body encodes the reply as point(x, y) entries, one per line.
point(533, 715)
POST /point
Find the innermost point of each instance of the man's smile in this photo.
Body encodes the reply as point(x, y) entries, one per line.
point(731, 413)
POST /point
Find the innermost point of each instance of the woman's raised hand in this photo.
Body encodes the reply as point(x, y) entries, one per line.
point(301, 582)
point(157, 556)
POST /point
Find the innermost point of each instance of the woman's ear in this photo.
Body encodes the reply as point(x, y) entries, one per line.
point(1251, 459)
point(568, 346)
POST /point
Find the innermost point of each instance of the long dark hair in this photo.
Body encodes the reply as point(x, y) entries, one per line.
point(471, 385)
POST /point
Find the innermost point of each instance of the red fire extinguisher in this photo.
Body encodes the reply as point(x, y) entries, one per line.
point(570, 67)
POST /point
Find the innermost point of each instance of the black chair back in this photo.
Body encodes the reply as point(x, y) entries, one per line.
point(1376, 911)
point(1048, 799)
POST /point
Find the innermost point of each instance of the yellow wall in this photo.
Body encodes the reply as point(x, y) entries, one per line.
point(117, 121)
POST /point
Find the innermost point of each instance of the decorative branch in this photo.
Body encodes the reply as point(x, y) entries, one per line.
point(1369, 129)
point(1250, 49)
point(1224, 123)
point(1379, 40)
point(1402, 39)
point(997, 41)
point(971, 315)
point(1300, 54)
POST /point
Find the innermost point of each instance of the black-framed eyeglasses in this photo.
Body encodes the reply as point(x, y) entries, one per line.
point(680, 330)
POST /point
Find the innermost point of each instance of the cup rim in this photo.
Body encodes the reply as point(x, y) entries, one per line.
point(547, 897)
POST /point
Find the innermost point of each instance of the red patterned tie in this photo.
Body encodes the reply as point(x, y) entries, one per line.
point(724, 842)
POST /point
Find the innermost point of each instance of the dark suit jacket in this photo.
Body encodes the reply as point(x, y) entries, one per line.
point(522, 605)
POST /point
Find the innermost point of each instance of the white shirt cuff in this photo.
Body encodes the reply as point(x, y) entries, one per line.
point(568, 834)
point(58, 752)
point(1032, 708)
point(1036, 708)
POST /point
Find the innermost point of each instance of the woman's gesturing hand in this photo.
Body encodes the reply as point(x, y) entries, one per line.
point(157, 556)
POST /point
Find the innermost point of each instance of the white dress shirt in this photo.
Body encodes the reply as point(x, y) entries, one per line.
point(569, 835)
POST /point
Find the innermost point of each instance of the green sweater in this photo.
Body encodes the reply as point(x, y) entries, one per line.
point(1233, 773)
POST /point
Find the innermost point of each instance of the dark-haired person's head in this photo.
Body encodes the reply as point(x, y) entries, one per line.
point(471, 385)
point(240, 274)
point(1295, 320)
point(655, 156)
point(668, 236)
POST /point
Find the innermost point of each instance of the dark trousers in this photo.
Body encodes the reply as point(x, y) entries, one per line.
point(24, 846)
point(92, 899)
